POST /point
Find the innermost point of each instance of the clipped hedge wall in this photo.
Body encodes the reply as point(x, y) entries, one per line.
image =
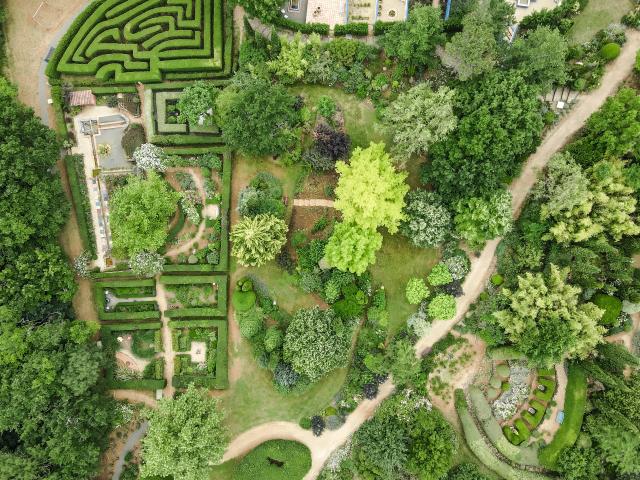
point(380, 27)
point(482, 451)
point(80, 202)
point(575, 402)
point(320, 28)
point(195, 312)
point(504, 353)
point(192, 280)
point(357, 29)
point(275, 460)
point(180, 268)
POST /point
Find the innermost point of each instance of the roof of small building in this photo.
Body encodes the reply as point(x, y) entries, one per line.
point(80, 98)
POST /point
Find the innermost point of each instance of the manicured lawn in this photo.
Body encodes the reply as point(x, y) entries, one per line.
point(396, 262)
point(359, 115)
point(253, 400)
point(598, 14)
point(282, 286)
point(224, 471)
point(574, 406)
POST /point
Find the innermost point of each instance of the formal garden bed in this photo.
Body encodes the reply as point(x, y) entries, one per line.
point(119, 299)
point(195, 295)
point(200, 353)
point(135, 356)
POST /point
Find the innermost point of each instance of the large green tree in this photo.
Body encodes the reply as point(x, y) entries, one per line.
point(414, 41)
point(352, 248)
point(500, 122)
point(257, 240)
point(474, 51)
point(427, 221)
point(257, 117)
point(186, 435)
point(140, 213)
point(52, 398)
point(541, 57)
point(316, 342)
point(370, 192)
point(196, 103)
point(546, 321)
point(479, 219)
point(418, 118)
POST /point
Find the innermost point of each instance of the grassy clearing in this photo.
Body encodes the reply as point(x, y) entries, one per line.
point(359, 115)
point(282, 286)
point(597, 15)
point(396, 262)
point(253, 400)
point(224, 471)
point(574, 407)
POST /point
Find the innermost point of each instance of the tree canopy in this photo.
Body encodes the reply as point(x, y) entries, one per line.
point(140, 213)
point(195, 103)
point(414, 41)
point(316, 342)
point(186, 435)
point(352, 248)
point(257, 117)
point(370, 192)
point(257, 240)
point(420, 117)
point(546, 321)
point(427, 221)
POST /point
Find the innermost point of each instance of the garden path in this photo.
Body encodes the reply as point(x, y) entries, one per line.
point(187, 246)
point(313, 202)
point(134, 396)
point(132, 441)
point(481, 268)
point(167, 343)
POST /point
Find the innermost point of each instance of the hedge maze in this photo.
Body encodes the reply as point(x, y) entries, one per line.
point(128, 41)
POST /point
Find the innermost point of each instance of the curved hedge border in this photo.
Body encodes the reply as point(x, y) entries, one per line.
point(575, 402)
point(483, 452)
point(275, 460)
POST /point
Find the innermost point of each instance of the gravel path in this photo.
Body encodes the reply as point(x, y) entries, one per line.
point(167, 343)
point(313, 202)
point(132, 441)
point(481, 268)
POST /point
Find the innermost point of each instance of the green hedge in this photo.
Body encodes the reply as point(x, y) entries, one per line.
point(504, 353)
point(508, 446)
point(58, 101)
point(123, 327)
point(113, 90)
point(575, 402)
point(80, 202)
point(185, 268)
point(294, 461)
point(141, 384)
point(176, 228)
point(195, 150)
point(192, 279)
point(380, 27)
point(223, 264)
point(357, 29)
point(195, 312)
point(99, 276)
point(482, 451)
point(320, 28)
point(140, 282)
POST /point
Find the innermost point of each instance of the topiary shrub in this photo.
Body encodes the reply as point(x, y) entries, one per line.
point(611, 306)
point(503, 370)
point(243, 301)
point(497, 280)
point(275, 460)
point(505, 386)
point(305, 422)
point(610, 51)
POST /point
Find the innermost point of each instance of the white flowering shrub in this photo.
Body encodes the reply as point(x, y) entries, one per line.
point(419, 321)
point(458, 265)
point(149, 157)
point(508, 403)
point(189, 209)
point(147, 264)
point(409, 403)
point(81, 264)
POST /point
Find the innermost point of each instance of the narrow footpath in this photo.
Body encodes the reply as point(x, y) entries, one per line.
point(481, 269)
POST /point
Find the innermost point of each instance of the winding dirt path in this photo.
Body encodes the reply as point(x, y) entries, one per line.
point(134, 396)
point(481, 268)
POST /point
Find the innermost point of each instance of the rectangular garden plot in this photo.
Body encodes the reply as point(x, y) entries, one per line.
point(195, 296)
point(162, 124)
point(201, 353)
point(135, 354)
point(126, 299)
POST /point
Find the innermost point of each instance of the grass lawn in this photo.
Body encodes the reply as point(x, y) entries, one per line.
point(598, 14)
point(253, 400)
point(225, 470)
point(396, 262)
point(282, 286)
point(360, 119)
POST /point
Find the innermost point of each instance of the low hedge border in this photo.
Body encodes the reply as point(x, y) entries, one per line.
point(483, 452)
point(61, 125)
point(192, 279)
point(575, 402)
point(307, 28)
point(195, 150)
point(113, 90)
point(357, 29)
point(80, 202)
point(195, 312)
point(186, 268)
point(381, 27)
